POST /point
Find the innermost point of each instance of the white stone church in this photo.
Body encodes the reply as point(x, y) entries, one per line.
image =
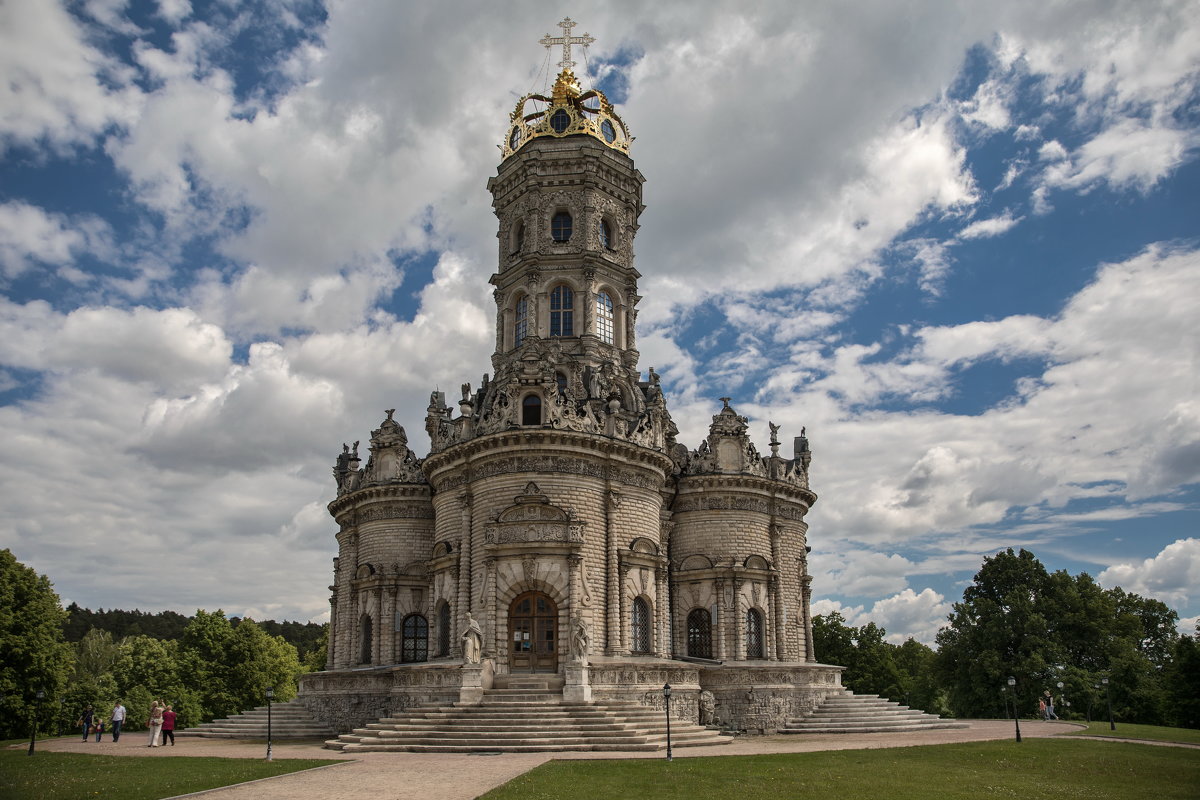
point(556, 531)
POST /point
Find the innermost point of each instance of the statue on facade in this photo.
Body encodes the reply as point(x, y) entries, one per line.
point(580, 641)
point(708, 708)
point(472, 639)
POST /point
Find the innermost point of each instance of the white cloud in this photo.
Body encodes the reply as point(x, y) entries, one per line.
point(29, 235)
point(904, 615)
point(1171, 576)
point(985, 228)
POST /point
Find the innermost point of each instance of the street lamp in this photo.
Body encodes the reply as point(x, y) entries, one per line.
point(1012, 685)
point(1062, 698)
point(1108, 700)
point(667, 699)
point(270, 694)
point(41, 695)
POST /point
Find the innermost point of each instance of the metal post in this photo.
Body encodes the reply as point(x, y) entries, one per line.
point(1062, 697)
point(1108, 700)
point(270, 694)
point(667, 698)
point(1012, 684)
point(33, 719)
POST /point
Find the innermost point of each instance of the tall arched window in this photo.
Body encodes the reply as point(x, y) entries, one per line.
point(639, 626)
point(414, 641)
point(604, 317)
point(699, 633)
point(531, 410)
point(561, 380)
point(518, 237)
point(364, 640)
point(560, 226)
point(521, 323)
point(443, 648)
point(754, 633)
point(605, 235)
point(562, 311)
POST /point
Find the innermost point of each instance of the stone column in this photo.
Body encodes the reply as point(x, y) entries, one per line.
point(778, 623)
point(387, 615)
point(465, 572)
point(719, 623)
point(612, 643)
point(574, 564)
point(331, 641)
point(491, 626)
point(739, 623)
point(806, 597)
point(623, 606)
point(661, 643)
point(380, 627)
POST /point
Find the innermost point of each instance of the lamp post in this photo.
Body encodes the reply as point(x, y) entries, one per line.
point(270, 694)
point(667, 698)
point(1108, 701)
point(1062, 698)
point(1012, 685)
point(41, 695)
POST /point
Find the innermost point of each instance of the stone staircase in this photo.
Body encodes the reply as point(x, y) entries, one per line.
point(289, 720)
point(515, 720)
point(866, 713)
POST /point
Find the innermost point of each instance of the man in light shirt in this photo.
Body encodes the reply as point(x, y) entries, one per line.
point(117, 719)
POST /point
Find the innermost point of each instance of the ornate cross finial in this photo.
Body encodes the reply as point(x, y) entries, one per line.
point(566, 40)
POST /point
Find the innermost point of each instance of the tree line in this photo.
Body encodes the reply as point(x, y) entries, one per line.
point(208, 667)
point(1018, 620)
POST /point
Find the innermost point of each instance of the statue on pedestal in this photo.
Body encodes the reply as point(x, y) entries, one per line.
point(472, 638)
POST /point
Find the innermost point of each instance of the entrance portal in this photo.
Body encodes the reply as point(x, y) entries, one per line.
point(533, 633)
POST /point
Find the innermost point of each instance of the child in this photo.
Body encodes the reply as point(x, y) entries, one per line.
point(98, 726)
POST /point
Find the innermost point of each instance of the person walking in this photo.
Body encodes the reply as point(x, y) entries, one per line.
point(168, 726)
point(85, 721)
point(1048, 699)
point(98, 726)
point(117, 718)
point(155, 722)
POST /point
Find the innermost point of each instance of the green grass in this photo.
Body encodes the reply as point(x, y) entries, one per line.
point(70, 776)
point(1155, 733)
point(1037, 768)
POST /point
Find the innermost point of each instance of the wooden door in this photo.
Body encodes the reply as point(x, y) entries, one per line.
point(533, 633)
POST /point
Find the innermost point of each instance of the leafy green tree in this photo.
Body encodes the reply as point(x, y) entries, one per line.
point(1182, 683)
point(870, 666)
point(33, 654)
point(915, 662)
point(314, 660)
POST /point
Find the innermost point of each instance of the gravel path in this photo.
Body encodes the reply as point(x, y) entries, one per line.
point(460, 776)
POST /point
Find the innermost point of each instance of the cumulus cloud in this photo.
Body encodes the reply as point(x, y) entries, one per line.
point(30, 236)
point(1171, 576)
point(984, 228)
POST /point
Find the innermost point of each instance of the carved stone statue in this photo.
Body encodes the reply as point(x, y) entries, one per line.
point(580, 641)
point(708, 708)
point(472, 639)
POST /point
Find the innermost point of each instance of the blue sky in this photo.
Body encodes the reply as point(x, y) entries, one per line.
point(959, 244)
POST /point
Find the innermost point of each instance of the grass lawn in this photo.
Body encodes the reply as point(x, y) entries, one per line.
point(1037, 768)
point(1155, 732)
point(68, 776)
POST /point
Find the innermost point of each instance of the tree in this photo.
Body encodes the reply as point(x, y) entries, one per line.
point(915, 661)
point(1182, 683)
point(33, 654)
point(870, 666)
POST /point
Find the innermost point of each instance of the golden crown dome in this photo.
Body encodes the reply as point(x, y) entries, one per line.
point(569, 110)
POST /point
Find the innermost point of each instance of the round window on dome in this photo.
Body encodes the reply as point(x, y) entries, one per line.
point(610, 133)
point(560, 121)
point(514, 138)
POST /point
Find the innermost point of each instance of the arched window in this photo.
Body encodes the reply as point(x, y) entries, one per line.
point(605, 235)
point(443, 648)
point(639, 625)
point(699, 633)
point(562, 383)
point(414, 641)
point(562, 311)
point(604, 317)
point(560, 226)
point(531, 410)
point(521, 325)
point(754, 633)
point(364, 640)
point(518, 238)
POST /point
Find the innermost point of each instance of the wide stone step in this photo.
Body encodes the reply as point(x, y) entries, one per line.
point(875, 728)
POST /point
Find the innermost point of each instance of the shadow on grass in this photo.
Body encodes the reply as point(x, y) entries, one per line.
point(67, 776)
point(1037, 768)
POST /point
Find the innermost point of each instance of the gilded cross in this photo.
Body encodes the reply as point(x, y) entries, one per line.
point(566, 40)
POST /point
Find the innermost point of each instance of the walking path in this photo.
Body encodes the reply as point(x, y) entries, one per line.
point(462, 776)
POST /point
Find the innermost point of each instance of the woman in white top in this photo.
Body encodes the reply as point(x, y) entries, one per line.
point(155, 723)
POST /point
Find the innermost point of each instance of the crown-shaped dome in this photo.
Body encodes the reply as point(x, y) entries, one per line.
point(569, 111)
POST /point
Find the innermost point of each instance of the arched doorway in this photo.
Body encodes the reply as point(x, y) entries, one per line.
point(533, 633)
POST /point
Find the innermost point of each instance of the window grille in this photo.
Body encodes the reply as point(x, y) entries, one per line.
point(521, 328)
point(414, 643)
point(754, 633)
point(699, 633)
point(562, 314)
point(640, 626)
point(604, 317)
point(561, 225)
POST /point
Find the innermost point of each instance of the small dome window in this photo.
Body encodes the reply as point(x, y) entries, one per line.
point(560, 226)
point(605, 235)
point(561, 380)
point(562, 311)
point(606, 128)
point(604, 317)
point(514, 138)
point(560, 121)
point(521, 323)
point(531, 410)
point(518, 238)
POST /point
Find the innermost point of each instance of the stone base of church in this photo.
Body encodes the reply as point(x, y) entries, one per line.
point(755, 697)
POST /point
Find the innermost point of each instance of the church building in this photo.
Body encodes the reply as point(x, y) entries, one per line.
point(555, 527)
